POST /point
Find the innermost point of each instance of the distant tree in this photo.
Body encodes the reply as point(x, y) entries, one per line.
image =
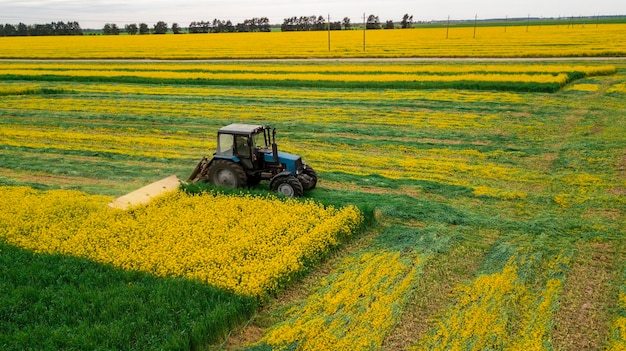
point(143, 28)
point(306, 23)
point(199, 27)
point(346, 23)
point(9, 30)
point(41, 29)
point(176, 29)
point(217, 26)
point(205, 27)
point(74, 28)
point(131, 28)
point(320, 23)
point(254, 25)
point(111, 29)
point(21, 29)
point(48, 28)
point(373, 22)
point(264, 24)
point(243, 27)
point(194, 27)
point(60, 28)
point(229, 27)
point(407, 21)
point(160, 28)
point(389, 25)
point(288, 25)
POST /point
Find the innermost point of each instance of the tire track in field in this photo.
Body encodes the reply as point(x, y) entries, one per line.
point(434, 288)
point(581, 321)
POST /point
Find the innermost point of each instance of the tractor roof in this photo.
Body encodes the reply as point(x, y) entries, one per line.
point(236, 128)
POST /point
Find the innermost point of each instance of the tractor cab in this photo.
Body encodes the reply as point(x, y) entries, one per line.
point(240, 141)
point(247, 154)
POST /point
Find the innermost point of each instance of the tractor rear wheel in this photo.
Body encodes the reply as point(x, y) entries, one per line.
point(227, 173)
point(289, 186)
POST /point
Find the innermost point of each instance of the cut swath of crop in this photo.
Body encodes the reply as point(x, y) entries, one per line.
point(355, 308)
point(617, 338)
point(509, 309)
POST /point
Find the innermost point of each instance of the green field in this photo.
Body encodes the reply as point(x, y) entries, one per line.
point(505, 206)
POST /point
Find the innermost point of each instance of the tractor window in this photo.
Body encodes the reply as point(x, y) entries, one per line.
point(243, 149)
point(225, 145)
point(259, 140)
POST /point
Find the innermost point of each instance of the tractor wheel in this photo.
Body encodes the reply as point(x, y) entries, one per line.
point(308, 178)
point(289, 186)
point(227, 173)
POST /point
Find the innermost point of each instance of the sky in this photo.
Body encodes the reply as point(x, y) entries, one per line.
point(95, 13)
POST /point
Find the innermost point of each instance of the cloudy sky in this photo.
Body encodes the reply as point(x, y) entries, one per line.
point(94, 13)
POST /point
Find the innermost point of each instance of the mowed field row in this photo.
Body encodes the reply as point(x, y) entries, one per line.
point(495, 216)
point(505, 77)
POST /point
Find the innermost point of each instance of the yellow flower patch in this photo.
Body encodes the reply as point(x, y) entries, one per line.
point(584, 87)
point(617, 88)
point(618, 328)
point(246, 244)
point(486, 312)
point(354, 309)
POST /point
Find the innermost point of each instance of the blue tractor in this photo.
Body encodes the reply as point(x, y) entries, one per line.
point(246, 155)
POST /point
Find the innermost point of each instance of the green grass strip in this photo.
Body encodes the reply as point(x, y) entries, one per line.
point(54, 302)
point(466, 85)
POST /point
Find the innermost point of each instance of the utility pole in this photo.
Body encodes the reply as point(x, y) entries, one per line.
point(364, 28)
point(447, 26)
point(475, 20)
point(329, 32)
point(506, 20)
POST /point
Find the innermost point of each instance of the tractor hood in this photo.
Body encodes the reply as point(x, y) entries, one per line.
point(291, 161)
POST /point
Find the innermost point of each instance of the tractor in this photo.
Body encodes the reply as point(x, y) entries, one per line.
point(246, 155)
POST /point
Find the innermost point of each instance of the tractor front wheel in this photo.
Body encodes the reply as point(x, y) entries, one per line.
point(289, 186)
point(308, 178)
point(227, 173)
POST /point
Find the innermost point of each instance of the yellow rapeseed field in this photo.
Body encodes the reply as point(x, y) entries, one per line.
point(520, 175)
point(544, 41)
point(249, 245)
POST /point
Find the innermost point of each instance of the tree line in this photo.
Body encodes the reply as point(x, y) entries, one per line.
point(132, 29)
point(295, 23)
point(261, 24)
point(310, 23)
point(257, 24)
point(53, 28)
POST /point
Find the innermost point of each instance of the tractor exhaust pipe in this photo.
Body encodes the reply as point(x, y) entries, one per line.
point(274, 146)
